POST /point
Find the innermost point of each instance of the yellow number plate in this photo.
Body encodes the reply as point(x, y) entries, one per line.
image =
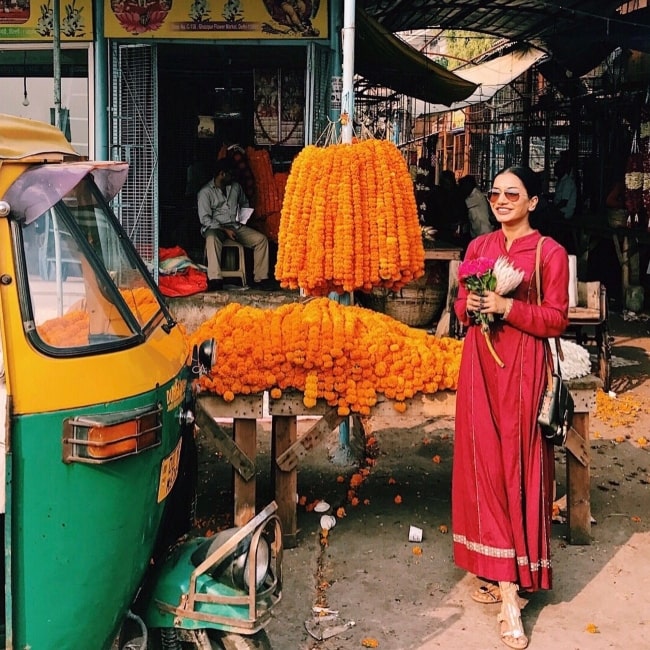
point(169, 472)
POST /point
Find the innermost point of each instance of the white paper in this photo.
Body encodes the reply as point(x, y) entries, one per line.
point(573, 281)
point(244, 214)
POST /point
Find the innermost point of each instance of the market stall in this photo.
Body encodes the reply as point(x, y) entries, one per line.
point(287, 449)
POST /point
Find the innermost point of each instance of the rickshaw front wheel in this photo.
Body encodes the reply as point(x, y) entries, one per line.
point(258, 641)
point(167, 640)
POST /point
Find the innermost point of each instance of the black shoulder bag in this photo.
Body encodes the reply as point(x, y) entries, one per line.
point(556, 408)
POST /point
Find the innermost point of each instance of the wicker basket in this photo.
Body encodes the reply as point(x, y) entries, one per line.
point(415, 306)
point(418, 303)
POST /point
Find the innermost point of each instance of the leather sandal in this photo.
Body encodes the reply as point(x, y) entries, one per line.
point(511, 627)
point(487, 594)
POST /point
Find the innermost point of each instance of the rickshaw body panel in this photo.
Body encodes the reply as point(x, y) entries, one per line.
point(82, 534)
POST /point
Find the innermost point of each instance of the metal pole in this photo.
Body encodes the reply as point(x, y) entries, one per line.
point(347, 100)
point(56, 19)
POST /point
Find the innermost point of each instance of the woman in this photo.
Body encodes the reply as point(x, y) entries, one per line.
point(503, 470)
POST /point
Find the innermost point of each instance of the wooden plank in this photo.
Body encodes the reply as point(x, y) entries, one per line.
point(578, 488)
point(291, 404)
point(443, 252)
point(577, 446)
point(284, 432)
point(288, 459)
point(243, 406)
point(245, 435)
point(237, 457)
point(584, 316)
point(588, 295)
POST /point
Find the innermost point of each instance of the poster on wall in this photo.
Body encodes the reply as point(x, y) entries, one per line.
point(27, 20)
point(210, 19)
point(279, 107)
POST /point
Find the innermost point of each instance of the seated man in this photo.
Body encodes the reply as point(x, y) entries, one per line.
point(219, 202)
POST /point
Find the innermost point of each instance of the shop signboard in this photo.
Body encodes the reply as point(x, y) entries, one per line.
point(31, 21)
point(210, 19)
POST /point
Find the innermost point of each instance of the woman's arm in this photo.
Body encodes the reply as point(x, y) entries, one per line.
point(551, 317)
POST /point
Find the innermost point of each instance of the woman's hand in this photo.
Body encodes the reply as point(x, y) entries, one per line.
point(488, 303)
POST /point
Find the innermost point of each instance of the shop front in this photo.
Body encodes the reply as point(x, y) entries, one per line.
point(166, 86)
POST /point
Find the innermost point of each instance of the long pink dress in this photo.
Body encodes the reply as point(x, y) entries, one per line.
point(503, 469)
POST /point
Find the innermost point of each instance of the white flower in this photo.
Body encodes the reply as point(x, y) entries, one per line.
point(508, 277)
point(576, 362)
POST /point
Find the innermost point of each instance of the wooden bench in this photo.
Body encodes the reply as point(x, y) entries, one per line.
point(287, 449)
point(591, 312)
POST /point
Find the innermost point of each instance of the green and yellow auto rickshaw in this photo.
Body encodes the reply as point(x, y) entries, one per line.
point(98, 456)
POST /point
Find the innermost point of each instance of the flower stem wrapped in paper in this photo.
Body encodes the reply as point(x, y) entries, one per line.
point(484, 274)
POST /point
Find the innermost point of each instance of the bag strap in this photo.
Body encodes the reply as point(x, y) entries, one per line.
point(547, 349)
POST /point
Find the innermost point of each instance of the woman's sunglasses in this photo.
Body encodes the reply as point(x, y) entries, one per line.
point(511, 195)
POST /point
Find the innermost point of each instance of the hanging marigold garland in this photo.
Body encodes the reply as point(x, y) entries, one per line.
point(346, 355)
point(267, 198)
point(349, 220)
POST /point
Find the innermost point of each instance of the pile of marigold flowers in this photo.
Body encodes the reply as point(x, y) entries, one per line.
point(349, 220)
point(345, 355)
point(619, 411)
point(72, 328)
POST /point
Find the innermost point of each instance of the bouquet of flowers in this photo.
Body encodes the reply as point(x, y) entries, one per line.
point(485, 274)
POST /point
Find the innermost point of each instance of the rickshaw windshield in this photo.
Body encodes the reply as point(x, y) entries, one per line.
point(85, 287)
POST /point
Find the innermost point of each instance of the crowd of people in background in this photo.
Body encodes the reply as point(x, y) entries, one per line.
point(458, 210)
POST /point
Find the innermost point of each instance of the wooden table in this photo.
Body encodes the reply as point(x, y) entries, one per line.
point(287, 449)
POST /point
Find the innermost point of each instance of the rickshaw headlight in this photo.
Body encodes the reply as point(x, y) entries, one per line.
point(235, 568)
point(241, 566)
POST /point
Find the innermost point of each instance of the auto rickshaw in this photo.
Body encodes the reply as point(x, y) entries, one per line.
point(98, 455)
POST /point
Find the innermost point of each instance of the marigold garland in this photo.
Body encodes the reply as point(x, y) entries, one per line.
point(72, 329)
point(345, 355)
point(349, 220)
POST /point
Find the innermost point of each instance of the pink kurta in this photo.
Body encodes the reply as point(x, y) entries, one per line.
point(503, 469)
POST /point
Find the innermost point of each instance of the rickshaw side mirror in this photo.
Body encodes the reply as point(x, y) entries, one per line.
point(204, 357)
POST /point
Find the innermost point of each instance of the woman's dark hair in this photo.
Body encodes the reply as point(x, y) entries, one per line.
point(527, 176)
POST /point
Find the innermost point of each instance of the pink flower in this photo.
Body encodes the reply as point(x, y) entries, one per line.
point(478, 267)
point(483, 274)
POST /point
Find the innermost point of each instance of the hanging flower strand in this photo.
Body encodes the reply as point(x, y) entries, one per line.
point(484, 274)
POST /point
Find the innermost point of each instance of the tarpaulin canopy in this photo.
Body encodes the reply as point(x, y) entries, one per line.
point(578, 34)
point(386, 60)
point(489, 78)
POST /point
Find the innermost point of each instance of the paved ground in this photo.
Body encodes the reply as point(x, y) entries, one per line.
point(371, 574)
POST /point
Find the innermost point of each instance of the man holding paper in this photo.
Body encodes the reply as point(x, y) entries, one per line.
point(223, 212)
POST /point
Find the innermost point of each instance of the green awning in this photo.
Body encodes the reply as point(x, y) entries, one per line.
point(383, 59)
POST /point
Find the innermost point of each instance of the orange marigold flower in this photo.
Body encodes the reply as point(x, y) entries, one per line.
point(276, 393)
point(398, 499)
point(443, 529)
point(436, 459)
point(340, 512)
point(356, 480)
point(340, 479)
point(417, 550)
point(369, 642)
